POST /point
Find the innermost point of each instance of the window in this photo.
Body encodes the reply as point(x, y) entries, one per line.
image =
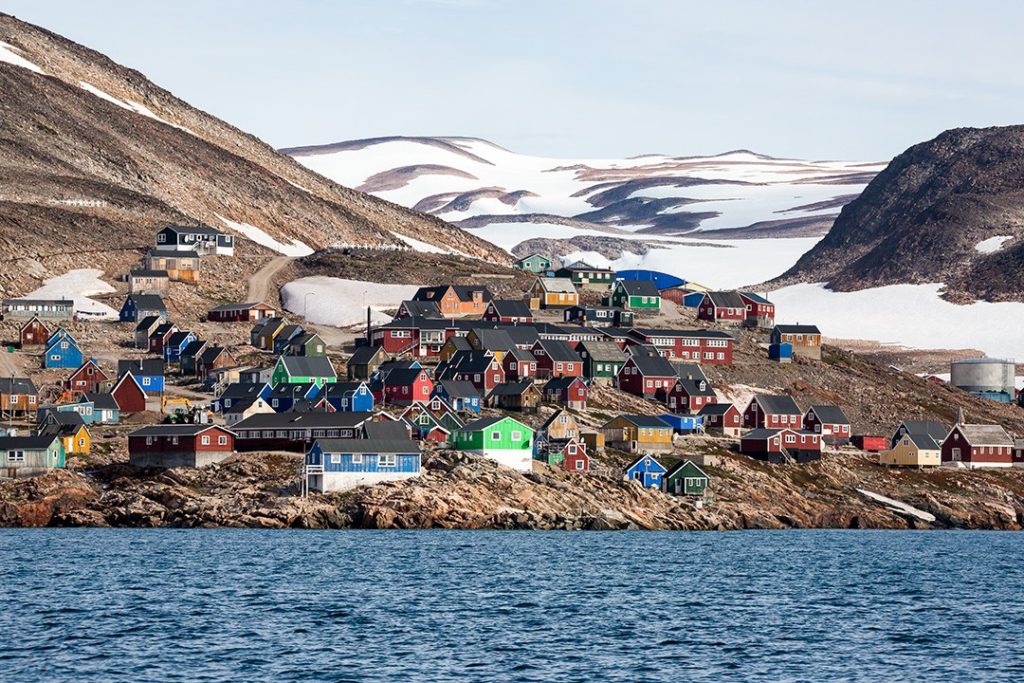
point(580, 464)
point(387, 460)
point(145, 383)
point(357, 458)
point(205, 440)
point(572, 449)
point(516, 436)
point(174, 440)
point(222, 440)
point(495, 436)
point(335, 459)
point(790, 438)
point(16, 456)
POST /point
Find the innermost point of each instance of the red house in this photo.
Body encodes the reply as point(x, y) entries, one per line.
point(570, 392)
point(86, 379)
point(829, 421)
point(976, 446)
point(509, 311)
point(556, 358)
point(645, 376)
point(236, 313)
point(575, 458)
point(519, 364)
point(722, 418)
point(160, 336)
point(128, 394)
point(405, 387)
point(713, 347)
point(760, 311)
point(479, 368)
point(688, 396)
point(33, 333)
point(781, 445)
point(179, 445)
point(421, 337)
point(726, 308)
point(773, 412)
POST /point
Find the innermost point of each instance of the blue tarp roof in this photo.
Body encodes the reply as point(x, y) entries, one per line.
point(661, 280)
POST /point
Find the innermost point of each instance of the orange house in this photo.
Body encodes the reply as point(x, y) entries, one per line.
point(456, 300)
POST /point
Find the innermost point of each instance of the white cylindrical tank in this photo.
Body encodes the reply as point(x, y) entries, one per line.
point(984, 375)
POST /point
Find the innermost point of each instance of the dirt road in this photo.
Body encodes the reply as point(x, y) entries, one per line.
point(259, 283)
point(10, 364)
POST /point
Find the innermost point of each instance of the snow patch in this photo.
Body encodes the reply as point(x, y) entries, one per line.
point(425, 246)
point(992, 244)
point(296, 249)
point(135, 107)
point(9, 54)
point(335, 301)
point(898, 506)
point(78, 285)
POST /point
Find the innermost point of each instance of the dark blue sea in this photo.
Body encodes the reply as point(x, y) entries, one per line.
point(217, 605)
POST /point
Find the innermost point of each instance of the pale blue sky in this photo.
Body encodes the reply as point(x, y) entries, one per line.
point(857, 80)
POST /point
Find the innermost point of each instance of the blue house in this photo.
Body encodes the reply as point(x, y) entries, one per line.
point(94, 408)
point(461, 395)
point(647, 471)
point(286, 397)
point(693, 299)
point(139, 306)
point(175, 344)
point(239, 391)
point(62, 352)
point(348, 397)
point(342, 464)
point(148, 372)
point(84, 407)
point(683, 424)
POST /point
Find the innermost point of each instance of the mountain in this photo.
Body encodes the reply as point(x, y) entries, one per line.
point(615, 210)
point(94, 156)
point(950, 210)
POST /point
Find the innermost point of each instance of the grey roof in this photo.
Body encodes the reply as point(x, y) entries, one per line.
point(192, 230)
point(176, 430)
point(291, 390)
point(148, 302)
point(756, 298)
point(639, 287)
point(238, 306)
point(583, 265)
point(557, 284)
point(397, 446)
point(554, 416)
point(985, 435)
point(558, 350)
point(148, 323)
point(460, 343)
point(17, 385)
point(726, 299)
point(102, 401)
point(645, 421)
point(716, 409)
point(684, 463)
point(936, 430)
point(692, 387)
point(926, 441)
point(494, 340)
point(143, 367)
point(560, 383)
point(678, 334)
point(421, 309)
point(178, 338)
point(240, 390)
point(308, 366)
point(337, 389)
point(828, 414)
point(364, 354)
point(797, 329)
point(171, 252)
point(603, 351)
point(777, 404)
point(303, 420)
point(483, 423)
point(768, 433)
point(464, 292)
point(690, 371)
point(68, 418)
point(512, 308)
point(146, 272)
point(210, 353)
point(511, 388)
point(403, 376)
point(27, 443)
point(653, 366)
point(388, 430)
point(468, 361)
point(459, 388)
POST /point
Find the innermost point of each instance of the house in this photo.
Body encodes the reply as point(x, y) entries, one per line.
point(477, 367)
point(781, 445)
point(180, 445)
point(285, 397)
point(148, 372)
point(602, 360)
point(62, 351)
point(353, 397)
point(139, 306)
point(638, 434)
point(33, 333)
point(722, 418)
point(343, 464)
point(451, 346)
point(936, 430)
point(534, 263)
point(22, 456)
point(780, 353)
point(498, 342)
point(912, 449)
point(18, 397)
point(68, 426)
point(599, 316)
point(188, 359)
point(144, 330)
point(159, 337)
point(829, 421)
point(571, 392)
point(426, 426)
point(455, 300)
point(246, 407)
point(760, 311)
point(519, 365)
point(285, 336)
point(593, 439)
point(86, 379)
point(767, 411)
point(975, 446)
point(647, 471)
point(690, 371)
point(128, 394)
point(587, 276)
point(574, 457)
point(524, 396)
point(688, 396)
point(805, 339)
point(364, 362)
point(461, 395)
point(303, 369)
point(556, 358)
point(553, 292)
point(405, 387)
point(709, 347)
point(201, 239)
point(104, 411)
point(306, 344)
point(175, 344)
point(508, 311)
point(683, 424)
point(419, 309)
point(237, 391)
point(502, 439)
point(635, 295)
point(725, 308)
point(239, 313)
point(643, 375)
point(685, 479)
point(445, 415)
point(561, 427)
point(213, 358)
point(296, 431)
point(263, 333)
point(44, 309)
point(145, 281)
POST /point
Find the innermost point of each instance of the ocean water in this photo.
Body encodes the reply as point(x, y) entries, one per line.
point(216, 605)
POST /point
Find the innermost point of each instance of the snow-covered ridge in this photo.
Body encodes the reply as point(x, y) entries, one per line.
point(296, 249)
point(11, 55)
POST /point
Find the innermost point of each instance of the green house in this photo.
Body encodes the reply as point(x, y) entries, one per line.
point(639, 295)
point(29, 455)
point(685, 479)
point(583, 274)
point(303, 370)
point(534, 263)
point(306, 344)
point(506, 441)
point(602, 360)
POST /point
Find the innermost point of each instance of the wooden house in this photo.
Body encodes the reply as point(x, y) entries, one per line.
point(86, 379)
point(587, 276)
point(534, 263)
point(574, 457)
point(602, 360)
point(176, 344)
point(912, 449)
point(22, 456)
point(462, 396)
point(285, 336)
point(477, 367)
point(560, 427)
point(638, 434)
point(708, 347)
point(145, 329)
point(556, 358)
point(306, 344)
point(722, 418)
point(188, 360)
point(593, 439)
point(767, 411)
point(353, 397)
point(647, 471)
point(148, 372)
point(159, 336)
point(724, 308)
point(936, 430)
point(497, 342)
point(456, 300)
point(502, 439)
point(688, 396)
point(139, 306)
point(344, 464)
point(213, 358)
point(145, 281)
point(645, 375)
point(508, 311)
point(760, 312)
point(781, 445)
point(18, 397)
point(67, 426)
point(405, 386)
point(805, 339)
point(571, 392)
point(244, 408)
point(685, 479)
point(44, 309)
point(599, 316)
point(302, 369)
point(201, 239)
point(283, 398)
point(180, 266)
point(364, 362)
point(635, 295)
point(263, 333)
point(33, 333)
point(104, 408)
point(129, 395)
point(419, 309)
point(180, 445)
point(975, 446)
point(62, 351)
point(554, 292)
point(829, 421)
point(519, 365)
point(524, 397)
point(239, 313)
point(293, 431)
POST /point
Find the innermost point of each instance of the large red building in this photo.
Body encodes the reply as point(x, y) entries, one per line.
point(712, 347)
point(974, 446)
point(179, 445)
point(643, 375)
point(781, 445)
point(726, 308)
point(773, 412)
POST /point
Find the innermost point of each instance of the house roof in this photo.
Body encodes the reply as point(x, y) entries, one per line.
point(223, 308)
point(389, 430)
point(603, 351)
point(171, 252)
point(102, 401)
point(554, 416)
point(146, 272)
point(638, 287)
point(558, 350)
point(460, 343)
point(485, 422)
point(421, 309)
point(530, 256)
point(403, 376)
point(303, 420)
point(339, 389)
point(192, 230)
point(653, 366)
point(68, 418)
point(308, 366)
point(469, 361)
point(463, 292)
point(364, 355)
point(684, 464)
point(143, 367)
point(985, 435)
point(147, 302)
point(777, 404)
point(389, 446)
point(692, 387)
point(690, 371)
point(925, 441)
point(512, 388)
point(210, 353)
point(829, 414)
point(238, 390)
point(148, 323)
point(725, 299)
point(39, 302)
point(756, 298)
point(560, 383)
point(459, 388)
point(493, 340)
point(716, 409)
point(668, 333)
point(291, 390)
point(636, 461)
point(557, 284)
point(643, 421)
point(177, 430)
point(797, 329)
point(936, 430)
point(512, 308)
point(178, 338)
point(28, 443)
point(765, 434)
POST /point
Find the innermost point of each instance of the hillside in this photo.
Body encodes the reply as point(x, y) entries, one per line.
point(950, 210)
point(94, 156)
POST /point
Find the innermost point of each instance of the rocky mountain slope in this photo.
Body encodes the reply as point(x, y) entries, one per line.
point(94, 156)
point(949, 210)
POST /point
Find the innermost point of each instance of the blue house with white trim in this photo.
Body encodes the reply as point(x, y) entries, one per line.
point(461, 395)
point(139, 306)
point(175, 344)
point(342, 464)
point(348, 397)
point(647, 471)
point(285, 397)
point(62, 352)
point(148, 372)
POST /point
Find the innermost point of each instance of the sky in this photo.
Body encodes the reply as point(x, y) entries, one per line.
point(588, 78)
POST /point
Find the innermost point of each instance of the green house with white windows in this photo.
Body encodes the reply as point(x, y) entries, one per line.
point(685, 479)
point(534, 263)
point(583, 274)
point(635, 295)
point(316, 370)
point(506, 441)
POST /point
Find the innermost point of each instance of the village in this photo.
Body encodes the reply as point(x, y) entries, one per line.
point(589, 371)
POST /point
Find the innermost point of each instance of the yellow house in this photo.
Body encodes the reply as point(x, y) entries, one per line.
point(638, 434)
point(554, 292)
point(76, 442)
point(593, 440)
point(913, 450)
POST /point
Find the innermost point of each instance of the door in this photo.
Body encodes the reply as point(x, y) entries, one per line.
point(956, 455)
